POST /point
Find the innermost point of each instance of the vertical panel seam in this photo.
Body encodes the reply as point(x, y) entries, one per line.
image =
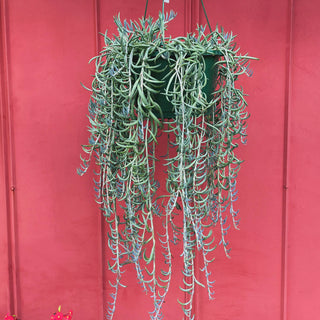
point(4, 207)
point(97, 26)
point(9, 164)
point(285, 213)
point(195, 19)
point(187, 16)
point(195, 15)
point(188, 25)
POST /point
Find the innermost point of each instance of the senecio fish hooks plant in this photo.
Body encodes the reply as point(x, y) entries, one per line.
point(136, 72)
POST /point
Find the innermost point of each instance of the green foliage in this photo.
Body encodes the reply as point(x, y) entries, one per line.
point(125, 120)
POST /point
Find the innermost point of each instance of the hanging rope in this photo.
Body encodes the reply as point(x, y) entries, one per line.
point(145, 10)
point(205, 13)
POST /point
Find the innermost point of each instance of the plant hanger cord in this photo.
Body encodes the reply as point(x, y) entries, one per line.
point(205, 13)
point(202, 5)
point(145, 10)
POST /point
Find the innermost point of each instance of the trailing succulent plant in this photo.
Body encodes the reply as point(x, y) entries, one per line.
point(134, 71)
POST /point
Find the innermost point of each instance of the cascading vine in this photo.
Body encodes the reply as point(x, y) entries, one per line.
point(125, 121)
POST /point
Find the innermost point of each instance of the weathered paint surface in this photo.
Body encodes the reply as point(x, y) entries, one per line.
point(51, 234)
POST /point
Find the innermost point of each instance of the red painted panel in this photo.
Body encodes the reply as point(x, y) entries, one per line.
point(249, 285)
point(304, 167)
point(7, 235)
point(58, 232)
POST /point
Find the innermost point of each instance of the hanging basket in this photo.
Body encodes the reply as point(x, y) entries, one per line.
point(141, 78)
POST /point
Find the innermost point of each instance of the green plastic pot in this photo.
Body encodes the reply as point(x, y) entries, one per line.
point(161, 72)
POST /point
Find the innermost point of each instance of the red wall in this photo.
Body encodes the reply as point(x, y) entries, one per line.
point(51, 235)
point(303, 259)
point(57, 232)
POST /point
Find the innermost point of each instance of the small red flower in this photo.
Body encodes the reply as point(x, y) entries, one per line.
point(9, 317)
point(68, 316)
point(59, 315)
